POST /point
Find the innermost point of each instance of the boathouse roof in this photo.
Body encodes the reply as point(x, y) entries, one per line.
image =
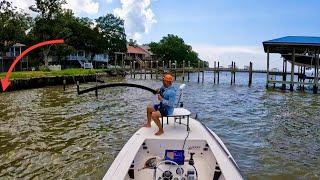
point(287, 44)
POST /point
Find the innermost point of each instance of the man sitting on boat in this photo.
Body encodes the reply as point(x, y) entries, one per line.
point(167, 98)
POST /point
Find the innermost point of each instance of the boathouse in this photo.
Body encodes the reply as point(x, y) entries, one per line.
point(302, 52)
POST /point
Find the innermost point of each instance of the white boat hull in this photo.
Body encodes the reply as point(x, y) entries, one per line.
point(212, 160)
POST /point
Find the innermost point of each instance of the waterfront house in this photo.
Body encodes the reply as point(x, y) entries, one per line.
point(84, 59)
point(10, 56)
point(139, 54)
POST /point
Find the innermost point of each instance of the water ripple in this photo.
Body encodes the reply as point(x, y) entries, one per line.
point(49, 133)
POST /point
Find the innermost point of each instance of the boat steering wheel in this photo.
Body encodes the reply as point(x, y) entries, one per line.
point(167, 174)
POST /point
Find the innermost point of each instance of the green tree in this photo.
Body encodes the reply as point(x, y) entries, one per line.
point(172, 47)
point(113, 33)
point(132, 42)
point(48, 9)
point(13, 25)
point(50, 24)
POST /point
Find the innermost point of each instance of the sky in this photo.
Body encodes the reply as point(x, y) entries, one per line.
point(219, 30)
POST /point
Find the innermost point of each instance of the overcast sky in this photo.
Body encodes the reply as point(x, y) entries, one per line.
point(224, 30)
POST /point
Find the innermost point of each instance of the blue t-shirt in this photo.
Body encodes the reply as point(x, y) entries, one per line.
point(169, 98)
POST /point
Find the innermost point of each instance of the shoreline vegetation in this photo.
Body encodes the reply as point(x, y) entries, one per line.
point(40, 79)
point(64, 72)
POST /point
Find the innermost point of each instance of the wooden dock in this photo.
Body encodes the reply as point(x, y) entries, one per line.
point(155, 71)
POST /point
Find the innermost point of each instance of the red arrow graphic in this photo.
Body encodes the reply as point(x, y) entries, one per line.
point(6, 82)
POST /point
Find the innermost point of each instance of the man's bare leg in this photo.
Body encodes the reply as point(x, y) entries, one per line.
point(156, 118)
point(149, 113)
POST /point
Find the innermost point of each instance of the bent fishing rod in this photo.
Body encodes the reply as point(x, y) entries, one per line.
point(95, 88)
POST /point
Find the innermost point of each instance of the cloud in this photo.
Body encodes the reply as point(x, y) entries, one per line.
point(82, 6)
point(138, 17)
point(242, 55)
point(109, 1)
point(24, 5)
point(78, 6)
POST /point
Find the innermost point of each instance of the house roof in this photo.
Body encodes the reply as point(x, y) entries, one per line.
point(287, 44)
point(136, 50)
point(18, 45)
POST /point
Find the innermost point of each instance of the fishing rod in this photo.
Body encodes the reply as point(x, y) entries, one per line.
point(95, 88)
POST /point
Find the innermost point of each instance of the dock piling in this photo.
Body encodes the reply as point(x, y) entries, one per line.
point(151, 69)
point(131, 69)
point(198, 71)
point(145, 69)
point(183, 70)
point(284, 74)
point(157, 67)
point(175, 70)
point(78, 88)
point(234, 72)
point(231, 72)
point(64, 84)
point(315, 86)
point(162, 67)
point(292, 69)
point(96, 91)
point(250, 74)
point(218, 72)
point(268, 64)
point(188, 71)
point(203, 71)
point(134, 69)
point(214, 73)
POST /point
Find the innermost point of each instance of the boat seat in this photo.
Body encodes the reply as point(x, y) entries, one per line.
point(178, 113)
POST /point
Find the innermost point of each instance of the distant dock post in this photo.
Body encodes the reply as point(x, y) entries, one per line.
point(234, 72)
point(250, 74)
point(134, 69)
point(183, 70)
point(175, 70)
point(198, 71)
point(218, 72)
point(268, 64)
point(64, 84)
point(284, 74)
point(214, 73)
point(163, 67)
point(151, 71)
point(115, 61)
point(157, 67)
point(189, 71)
point(140, 68)
point(96, 91)
point(231, 68)
point(169, 67)
point(292, 69)
point(145, 69)
point(304, 76)
point(131, 69)
point(78, 88)
point(203, 69)
point(316, 68)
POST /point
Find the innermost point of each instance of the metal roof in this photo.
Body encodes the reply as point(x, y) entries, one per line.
point(288, 43)
point(18, 45)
